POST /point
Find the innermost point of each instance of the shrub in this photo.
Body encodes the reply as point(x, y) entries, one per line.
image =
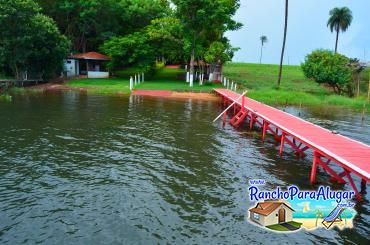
point(324, 66)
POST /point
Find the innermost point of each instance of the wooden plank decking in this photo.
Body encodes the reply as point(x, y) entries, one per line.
point(353, 156)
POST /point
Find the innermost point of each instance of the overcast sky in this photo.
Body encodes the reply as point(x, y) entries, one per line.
point(307, 29)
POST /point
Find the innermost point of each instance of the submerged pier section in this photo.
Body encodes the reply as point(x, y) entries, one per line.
point(328, 147)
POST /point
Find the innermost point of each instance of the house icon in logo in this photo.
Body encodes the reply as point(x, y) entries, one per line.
point(271, 212)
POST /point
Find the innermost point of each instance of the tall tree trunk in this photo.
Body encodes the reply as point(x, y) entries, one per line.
point(336, 40)
point(261, 54)
point(283, 49)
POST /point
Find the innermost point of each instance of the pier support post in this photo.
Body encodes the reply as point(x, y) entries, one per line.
point(264, 128)
point(314, 168)
point(251, 122)
point(352, 183)
point(282, 144)
point(363, 185)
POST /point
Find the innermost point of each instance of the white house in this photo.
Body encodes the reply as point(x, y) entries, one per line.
point(89, 64)
point(271, 212)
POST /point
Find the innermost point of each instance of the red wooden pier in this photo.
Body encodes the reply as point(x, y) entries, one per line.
point(328, 147)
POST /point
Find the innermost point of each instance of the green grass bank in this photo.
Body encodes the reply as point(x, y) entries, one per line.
point(261, 82)
point(163, 79)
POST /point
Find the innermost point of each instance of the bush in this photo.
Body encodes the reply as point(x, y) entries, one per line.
point(324, 66)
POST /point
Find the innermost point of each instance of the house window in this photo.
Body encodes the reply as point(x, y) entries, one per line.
point(256, 216)
point(69, 62)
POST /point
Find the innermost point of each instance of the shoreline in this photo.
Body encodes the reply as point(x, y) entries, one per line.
point(62, 87)
point(275, 98)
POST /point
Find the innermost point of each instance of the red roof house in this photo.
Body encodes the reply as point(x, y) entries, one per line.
point(91, 65)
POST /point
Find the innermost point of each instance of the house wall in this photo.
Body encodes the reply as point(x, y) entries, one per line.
point(260, 221)
point(71, 67)
point(97, 74)
point(273, 218)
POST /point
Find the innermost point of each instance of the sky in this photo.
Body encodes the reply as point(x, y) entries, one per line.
point(307, 30)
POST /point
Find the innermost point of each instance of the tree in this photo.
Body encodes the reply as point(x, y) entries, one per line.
point(264, 40)
point(284, 40)
point(219, 52)
point(89, 23)
point(166, 36)
point(130, 50)
point(205, 16)
point(356, 68)
point(340, 19)
point(30, 43)
point(319, 214)
point(326, 67)
point(159, 40)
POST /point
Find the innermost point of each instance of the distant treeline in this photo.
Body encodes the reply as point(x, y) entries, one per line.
point(37, 34)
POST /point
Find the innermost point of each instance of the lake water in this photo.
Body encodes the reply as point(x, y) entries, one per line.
point(78, 169)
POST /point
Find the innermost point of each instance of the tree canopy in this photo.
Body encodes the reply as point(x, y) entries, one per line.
point(30, 42)
point(340, 19)
point(132, 32)
point(89, 23)
point(205, 22)
point(326, 67)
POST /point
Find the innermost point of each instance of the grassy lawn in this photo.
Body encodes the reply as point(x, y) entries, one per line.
point(179, 86)
point(278, 227)
point(295, 224)
point(261, 80)
point(163, 79)
point(102, 86)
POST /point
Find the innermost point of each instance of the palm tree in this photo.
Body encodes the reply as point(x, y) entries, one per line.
point(283, 49)
point(264, 40)
point(319, 214)
point(340, 19)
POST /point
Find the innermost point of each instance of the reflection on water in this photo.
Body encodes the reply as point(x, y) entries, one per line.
point(91, 170)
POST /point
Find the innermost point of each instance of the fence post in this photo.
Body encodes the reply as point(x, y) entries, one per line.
point(143, 76)
point(191, 80)
point(131, 83)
